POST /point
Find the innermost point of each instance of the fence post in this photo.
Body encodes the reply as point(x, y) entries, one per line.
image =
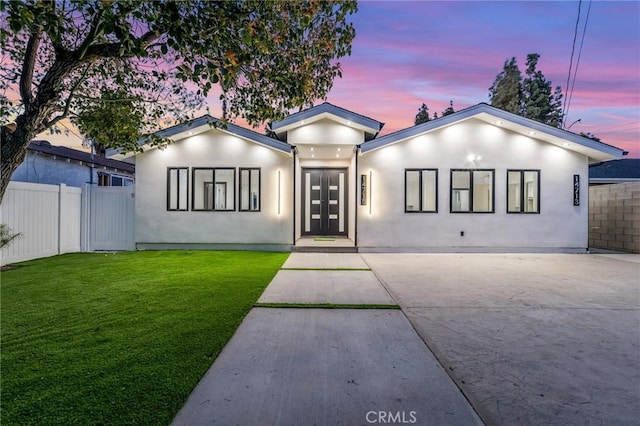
point(85, 222)
point(61, 190)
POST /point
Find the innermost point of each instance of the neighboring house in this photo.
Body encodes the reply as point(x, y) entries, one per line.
point(480, 179)
point(49, 164)
point(615, 171)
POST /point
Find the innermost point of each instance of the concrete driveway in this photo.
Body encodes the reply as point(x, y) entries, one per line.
point(530, 339)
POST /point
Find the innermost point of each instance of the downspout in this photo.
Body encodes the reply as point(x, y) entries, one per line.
point(293, 240)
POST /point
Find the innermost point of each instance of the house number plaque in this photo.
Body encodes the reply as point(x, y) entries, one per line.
point(576, 190)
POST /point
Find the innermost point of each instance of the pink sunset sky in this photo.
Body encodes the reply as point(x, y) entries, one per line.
point(407, 53)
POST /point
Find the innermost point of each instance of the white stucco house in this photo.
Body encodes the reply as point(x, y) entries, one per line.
point(480, 179)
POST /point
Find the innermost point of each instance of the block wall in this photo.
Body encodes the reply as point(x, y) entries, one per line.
point(614, 217)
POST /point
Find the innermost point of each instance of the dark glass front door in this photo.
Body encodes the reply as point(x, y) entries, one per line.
point(324, 202)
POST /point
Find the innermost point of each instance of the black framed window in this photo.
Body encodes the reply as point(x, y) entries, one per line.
point(249, 189)
point(523, 191)
point(213, 189)
point(472, 191)
point(421, 190)
point(177, 188)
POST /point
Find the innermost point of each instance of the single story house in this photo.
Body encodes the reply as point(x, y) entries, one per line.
point(480, 179)
point(53, 165)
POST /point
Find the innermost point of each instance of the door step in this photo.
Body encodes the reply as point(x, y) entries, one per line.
point(323, 249)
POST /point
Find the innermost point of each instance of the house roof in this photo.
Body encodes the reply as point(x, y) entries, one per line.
point(45, 147)
point(370, 126)
point(624, 170)
point(206, 122)
point(595, 150)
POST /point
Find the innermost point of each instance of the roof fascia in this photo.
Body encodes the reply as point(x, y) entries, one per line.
point(292, 120)
point(499, 115)
point(234, 129)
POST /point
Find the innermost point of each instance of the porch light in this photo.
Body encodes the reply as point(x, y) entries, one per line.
point(278, 202)
point(566, 145)
point(338, 149)
point(370, 193)
point(311, 149)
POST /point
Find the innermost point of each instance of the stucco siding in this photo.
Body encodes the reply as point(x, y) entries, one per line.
point(559, 225)
point(325, 132)
point(47, 170)
point(154, 224)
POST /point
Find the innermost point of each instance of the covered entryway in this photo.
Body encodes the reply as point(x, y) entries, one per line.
point(324, 201)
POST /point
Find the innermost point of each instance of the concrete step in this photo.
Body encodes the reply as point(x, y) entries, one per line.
point(323, 249)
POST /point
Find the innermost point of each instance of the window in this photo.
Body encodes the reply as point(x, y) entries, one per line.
point(523, 191)
point(472, 191)
point(213, 189)
point(177, 188)
point(121, 181)
point(249, 190)
point(420, 190)
point(106, 179)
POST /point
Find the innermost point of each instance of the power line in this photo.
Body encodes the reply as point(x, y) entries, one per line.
point(575, 73)
point(573, 48)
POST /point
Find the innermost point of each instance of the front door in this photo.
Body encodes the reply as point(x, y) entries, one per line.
point(324, 202)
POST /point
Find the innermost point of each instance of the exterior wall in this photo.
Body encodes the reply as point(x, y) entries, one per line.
point(614, 217)
point(559, 226)
point(40, 168)
point(325, 132)
point(157, 227)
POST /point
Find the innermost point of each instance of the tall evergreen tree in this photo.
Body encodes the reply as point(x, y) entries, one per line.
point(506, 91)
point(449, 110)
point(541, 102)
point(423, 115)
point(532, 97)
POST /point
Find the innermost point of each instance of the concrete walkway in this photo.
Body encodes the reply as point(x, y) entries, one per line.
point(294, 366)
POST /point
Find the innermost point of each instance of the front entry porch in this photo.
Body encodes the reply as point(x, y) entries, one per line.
point(324, 245)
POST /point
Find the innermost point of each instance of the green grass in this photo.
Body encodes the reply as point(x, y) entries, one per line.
point(119, 338)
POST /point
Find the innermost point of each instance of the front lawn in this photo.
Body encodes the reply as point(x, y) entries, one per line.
point(119, 338)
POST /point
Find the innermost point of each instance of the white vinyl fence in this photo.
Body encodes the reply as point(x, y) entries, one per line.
point(56, 219)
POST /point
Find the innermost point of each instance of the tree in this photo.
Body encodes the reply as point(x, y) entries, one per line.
point(154, 63)
point(423, 115)
point(449, 110)
point(532, 97)
point(506, 91)
point(540, 103)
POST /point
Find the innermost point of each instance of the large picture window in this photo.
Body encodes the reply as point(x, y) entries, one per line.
point(472, 191)
point(177, 188)
point(523, 191)
point(213, 189)
point(421, 190)
point(250, 190)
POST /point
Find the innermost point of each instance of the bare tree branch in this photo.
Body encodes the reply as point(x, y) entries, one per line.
point(96, 25)
point(28, 66)
point(67, 105)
